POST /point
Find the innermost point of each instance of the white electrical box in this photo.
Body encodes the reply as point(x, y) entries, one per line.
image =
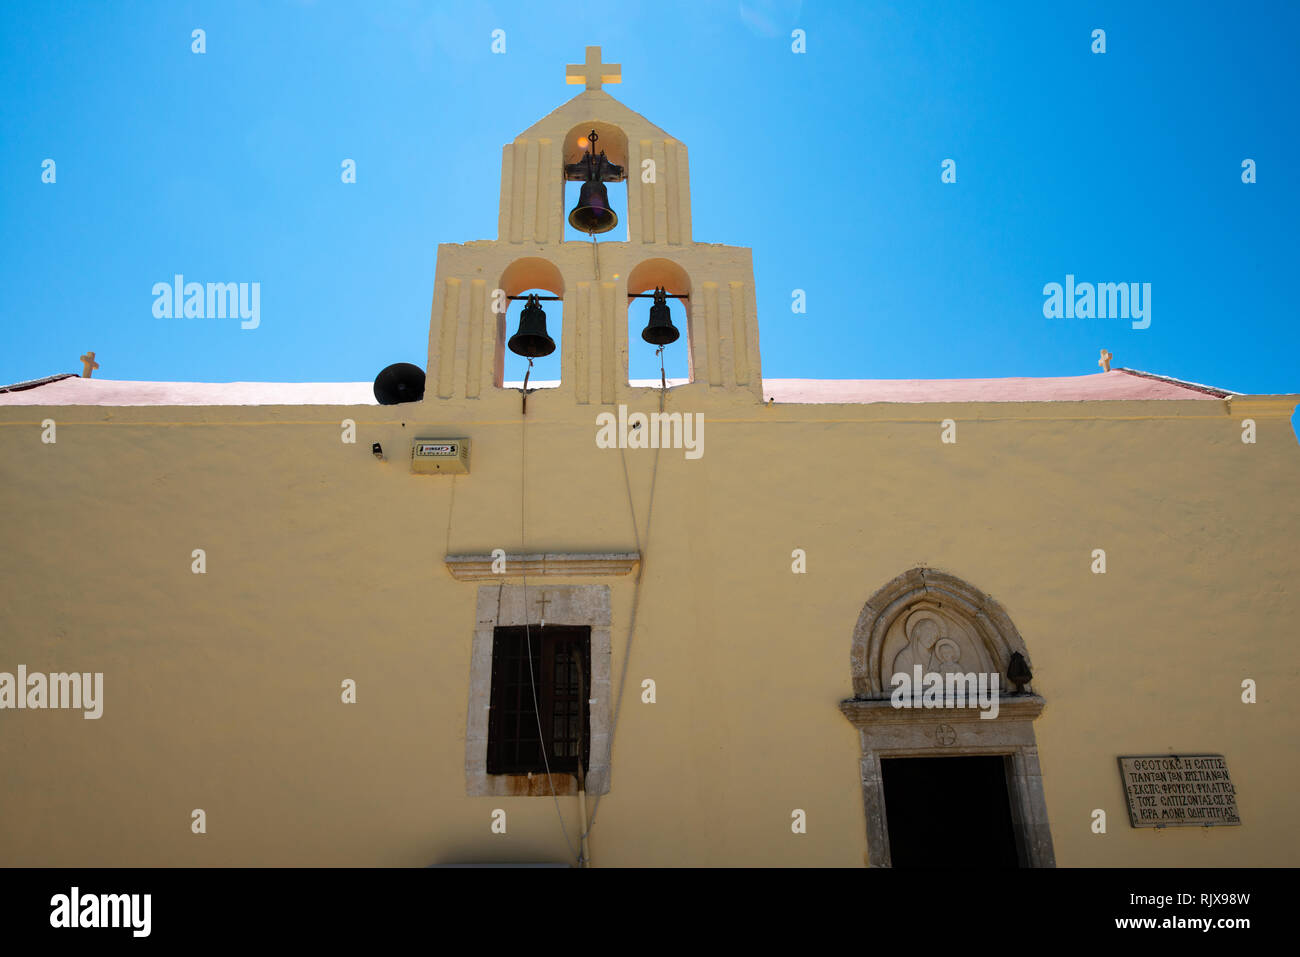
point(434, 456)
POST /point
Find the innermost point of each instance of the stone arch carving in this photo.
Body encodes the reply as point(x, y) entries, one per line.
point(965, 615)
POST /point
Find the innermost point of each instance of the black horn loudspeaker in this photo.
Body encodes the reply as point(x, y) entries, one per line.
point(400, 382)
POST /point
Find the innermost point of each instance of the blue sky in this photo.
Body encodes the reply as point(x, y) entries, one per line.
point(1115, 167)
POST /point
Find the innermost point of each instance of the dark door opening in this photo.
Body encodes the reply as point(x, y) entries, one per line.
point(949, 812)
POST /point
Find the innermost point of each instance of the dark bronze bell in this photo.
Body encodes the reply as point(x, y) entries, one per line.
point(660, 331)
point(592, 214)
point(531, 341)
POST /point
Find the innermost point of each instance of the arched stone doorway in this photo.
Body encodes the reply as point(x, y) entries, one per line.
point(935, 621)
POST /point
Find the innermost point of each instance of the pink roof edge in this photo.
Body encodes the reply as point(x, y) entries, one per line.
point(1118, 384)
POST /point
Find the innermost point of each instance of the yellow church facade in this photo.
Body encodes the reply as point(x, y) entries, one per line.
point(327, 629)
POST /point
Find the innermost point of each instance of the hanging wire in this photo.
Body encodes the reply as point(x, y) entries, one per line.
point(631, 625)
point(636, 587)
point(528, 640)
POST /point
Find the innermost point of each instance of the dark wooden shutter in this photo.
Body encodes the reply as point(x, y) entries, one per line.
point(514, 746)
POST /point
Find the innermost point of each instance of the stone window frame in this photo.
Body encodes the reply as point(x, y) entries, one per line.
point(888, 732)
point(503, 605)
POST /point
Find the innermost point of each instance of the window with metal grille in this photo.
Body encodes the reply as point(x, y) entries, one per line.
point(561, 678)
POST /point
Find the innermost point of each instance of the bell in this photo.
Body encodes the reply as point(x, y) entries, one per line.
point(660, 331)
point(592, 214)
point(531, 341)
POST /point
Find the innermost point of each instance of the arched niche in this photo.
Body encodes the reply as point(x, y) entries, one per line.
point(904, 623)
point(921, 604)
point(609, 138)
point(527, 274)
point(613, 142)
point(532, 272)
point(648, 275)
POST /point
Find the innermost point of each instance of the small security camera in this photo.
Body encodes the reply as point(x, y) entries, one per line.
point(378, 451)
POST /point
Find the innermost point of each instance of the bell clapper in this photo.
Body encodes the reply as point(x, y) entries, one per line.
point(526, 375)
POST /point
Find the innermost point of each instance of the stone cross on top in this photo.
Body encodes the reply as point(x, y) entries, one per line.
point(593, 72)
